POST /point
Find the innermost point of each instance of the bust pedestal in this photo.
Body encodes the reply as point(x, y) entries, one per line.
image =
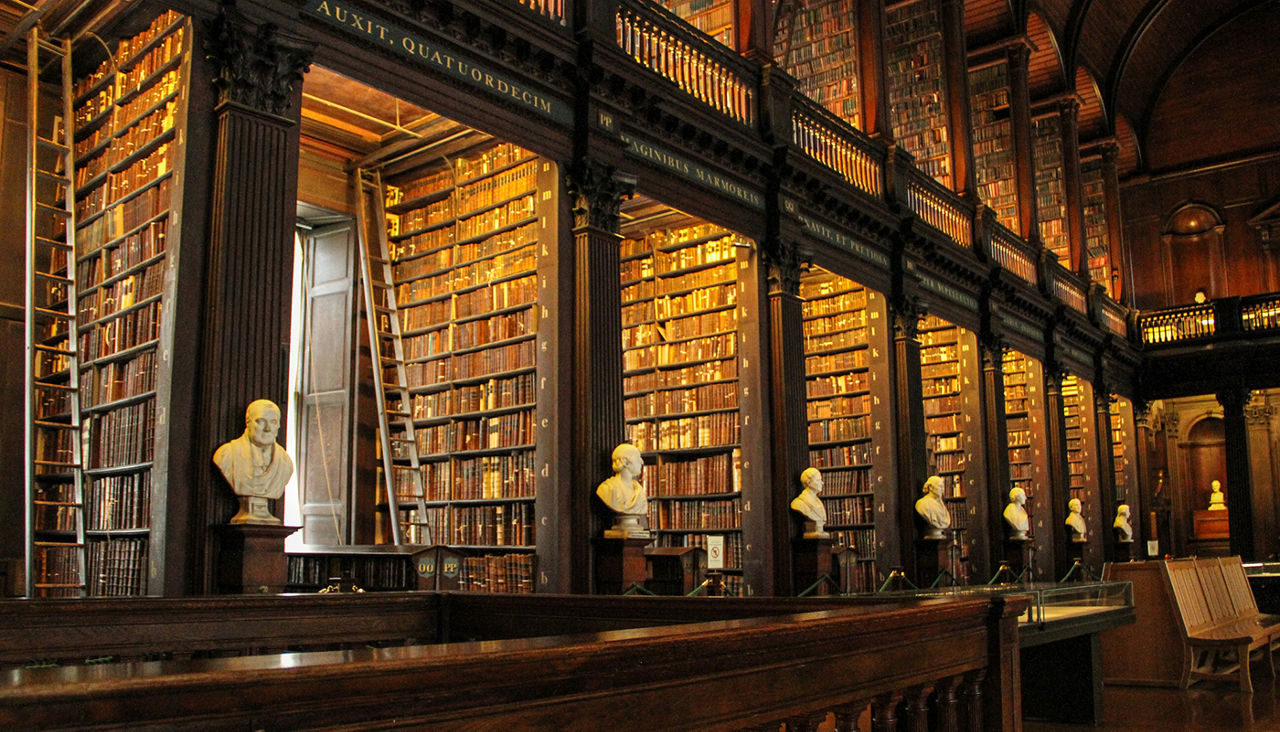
point(811, 558)
point(620, 563)
point(251, 558)
point(1123, 550)
point(1017, 553)
point(931, 560)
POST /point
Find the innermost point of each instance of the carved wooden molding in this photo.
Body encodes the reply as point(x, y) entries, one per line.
point(597, 190)
point(258, 67)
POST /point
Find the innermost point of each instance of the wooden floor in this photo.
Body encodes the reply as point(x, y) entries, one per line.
point(1205, 706)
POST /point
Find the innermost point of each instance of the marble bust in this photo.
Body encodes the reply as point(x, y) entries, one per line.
point(809, 504)
point(1217, 501)
point(1015, 515)
point(625, 495)
point(1075, 522)
point(255, 466)
point(1123, 529)
point(932, 509)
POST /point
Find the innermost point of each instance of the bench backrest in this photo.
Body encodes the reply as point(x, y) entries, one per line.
point(1242, 598)
point(1216, 594)
point(1188, 595)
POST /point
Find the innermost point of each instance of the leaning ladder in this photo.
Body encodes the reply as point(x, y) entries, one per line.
point(401, 468)
point(55, 525)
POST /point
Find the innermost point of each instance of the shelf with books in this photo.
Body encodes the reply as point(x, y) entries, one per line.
point(1028, 448)
point(1097, 237)
point(822, 54)
point(1123, 449)
point(843, 334)
point(465, 264)
point(681, 394)
point(1051, 200)
point(917, 85)
point(713, 17)
point(993, 156)
point(129, 167)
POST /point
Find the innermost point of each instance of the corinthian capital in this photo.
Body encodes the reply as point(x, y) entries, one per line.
point(258, 67)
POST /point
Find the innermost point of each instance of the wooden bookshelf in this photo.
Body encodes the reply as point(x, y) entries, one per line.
point(713, 17)
point(822, 54)
point(1123, 449)
point(1051, 201)
point(949, 364)
point(843, 324)
point(993, 154)
point(464, 247)
point(680, 381)
point(917, 86)
point(1097, 237)
point(1024, 407)
point(128, 176)
point(1082, 463)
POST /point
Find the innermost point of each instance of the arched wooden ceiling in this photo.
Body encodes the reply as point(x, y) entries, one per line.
point(988, 21)
point(1093, 120)
point(1044, 69)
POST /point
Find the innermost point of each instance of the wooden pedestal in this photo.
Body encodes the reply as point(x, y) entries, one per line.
point(1017, 556)
point(251, 558)
point(931, 561)
point(620, 563)
point(812, 562)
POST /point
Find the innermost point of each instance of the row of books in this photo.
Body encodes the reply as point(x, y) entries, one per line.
point(498, 573)
point(849, 510)
point(857, 427)
point(858, 577)
point(370, 573)
point(467, 265)
point(720, 429)
point(676, 401)
point(847, 383)
point(715, 370)
point(695, 515)
point(57, 564)
point(838, 406)
point(104, 301)
point(140, 246)
point(122, 332)
point(499, 393)
point(708, 474)
point(861, 541)
point(115, 380)
point(948, 404)
point(470, 334)
point(123, 436)
point(858, 455)
point(848, 308)
point(123, 217)
point(693, 302)
point(504, 524)
point(119, 184)
point(117, 567)
point(722, 346)
point(825, 342)
point(118, 502)
point(843, 482)
point(843, 361)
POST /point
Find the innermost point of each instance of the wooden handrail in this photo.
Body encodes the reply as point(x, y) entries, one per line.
point(797, 665)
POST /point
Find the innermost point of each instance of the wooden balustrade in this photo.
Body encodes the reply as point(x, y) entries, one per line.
point(552, 9)
point(927, 664)
point(837, 146)
point(939, 207)
point(1260, 313)
point(1014, 254)
point(701, 68)
point(1114, 318)
point(1067, 290)
point(1190, 322)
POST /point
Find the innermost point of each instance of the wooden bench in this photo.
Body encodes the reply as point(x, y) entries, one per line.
point(1217, 641)
point(1246, 605)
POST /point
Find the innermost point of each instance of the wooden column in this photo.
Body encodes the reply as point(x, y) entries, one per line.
point(1059, 472)
point(755, 30)
point(1106, 471)
point(249, 264)
point(1069, 113)
point(1023, 143)
point(1239, 487)
point(995, 431)
point(908, 425)
point(1118, 288)
point(956, 73)
point(595, 400)
point(1144, 518)
point(876, 121)
point(789, 418)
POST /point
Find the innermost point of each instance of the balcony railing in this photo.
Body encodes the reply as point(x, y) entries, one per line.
point(1113, 318)
point(1012, 253)
point(699, 66)
point(552, 9)
point(1186, 323)
point(1260, 313)
point(1069, 291)
point(837, 146)
point(939, 207)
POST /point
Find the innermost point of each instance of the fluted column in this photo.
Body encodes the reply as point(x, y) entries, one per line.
point(595, 400)
point(908, 424)
point(1117, 286)
point(249, 258)
point(871, 74)
point(1020, 122)
point(1106, 471)
point(996, 444)
point(1069, 112)
point(956, 72)
point(1059, 471)
point(1239, 488)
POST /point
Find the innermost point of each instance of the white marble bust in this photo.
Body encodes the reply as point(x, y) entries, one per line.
point(1217, 501)
point(1015, 514)
point(932, 509)
point(809, 504)
point(1123, 529)
point(256, 468)
point(625, 495)
point(1075, 522)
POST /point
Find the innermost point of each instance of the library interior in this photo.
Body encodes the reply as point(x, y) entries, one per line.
point(949, 328)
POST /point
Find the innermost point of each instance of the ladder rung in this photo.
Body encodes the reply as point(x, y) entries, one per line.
point(381, 285)
point(50, 142)
point(54, 464)
point(38, 502)
point(53, 278)
point(53, 313)
point(54, 544)
point(401, 440)
point(383, 309)
point(55, 177)
point(45, 424)
point(53, 209)
point(54, 243)
point(379, 260)
point(54, 350)
point(50, 385)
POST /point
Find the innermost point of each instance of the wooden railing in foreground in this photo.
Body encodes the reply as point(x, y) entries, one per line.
point(930, 664)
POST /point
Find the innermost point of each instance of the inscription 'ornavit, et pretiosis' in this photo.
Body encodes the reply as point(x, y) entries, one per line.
point(405, 43)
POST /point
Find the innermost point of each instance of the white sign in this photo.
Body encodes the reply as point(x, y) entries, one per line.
point(715, 552)
point(1153, 548)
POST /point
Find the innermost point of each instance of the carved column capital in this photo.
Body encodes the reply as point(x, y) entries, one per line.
point(784, 262)
point(1069, 110)
point(258, 67)
point(1018, 55)
point(597, 190)
point(1259, 412)
point(1233, 401)
point(907, 312)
